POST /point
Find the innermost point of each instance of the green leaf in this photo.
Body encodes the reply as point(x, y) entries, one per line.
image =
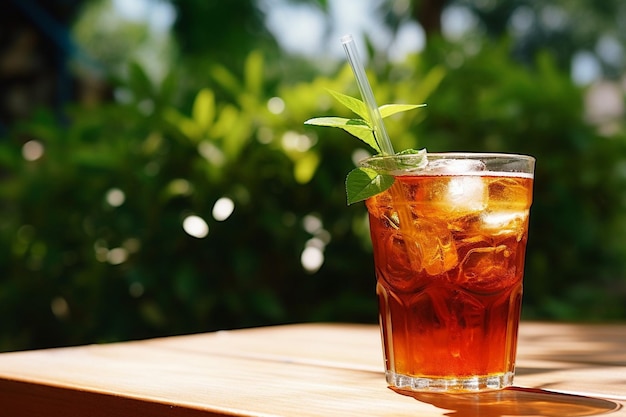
point(356, 127)
point(353, 104)
point(387, 110)
point(226, 79)
point(305, 167)
point(412, 159)
point(254, 72)
point(338, 122)
point(406, 160)
point(203, 111)
point(186, 125)
point(363, 183)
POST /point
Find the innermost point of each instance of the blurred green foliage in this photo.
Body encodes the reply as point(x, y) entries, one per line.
point(92, 244)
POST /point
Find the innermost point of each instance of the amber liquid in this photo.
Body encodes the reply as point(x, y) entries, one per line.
point(449, 257)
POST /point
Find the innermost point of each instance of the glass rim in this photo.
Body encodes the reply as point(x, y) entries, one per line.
point(417, 163)
point(458, 154)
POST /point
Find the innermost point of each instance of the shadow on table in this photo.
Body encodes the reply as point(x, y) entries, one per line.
point(515, 401)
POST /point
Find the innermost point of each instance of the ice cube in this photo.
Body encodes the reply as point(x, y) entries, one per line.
point(499, 223)
point(487, 269)
point(455, 166)
point(426, 246)
point(510, 192)
point(466, 194)
point(437, 246)
point(452, 197)
point(397, 260)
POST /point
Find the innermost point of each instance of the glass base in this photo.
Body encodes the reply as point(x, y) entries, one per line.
point(450, 385)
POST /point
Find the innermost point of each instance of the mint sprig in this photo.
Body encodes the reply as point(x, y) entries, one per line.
point(363, 183)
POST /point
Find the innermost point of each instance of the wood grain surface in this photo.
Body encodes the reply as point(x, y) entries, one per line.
point(305, 370)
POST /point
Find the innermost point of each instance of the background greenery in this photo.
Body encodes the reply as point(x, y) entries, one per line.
point(92, 244)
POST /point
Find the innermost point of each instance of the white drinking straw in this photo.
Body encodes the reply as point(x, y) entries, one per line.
point(380, 134)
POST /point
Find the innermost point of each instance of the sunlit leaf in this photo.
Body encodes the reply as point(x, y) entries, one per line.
point(352, 103)
point(305, 167)
point(203, 111)
point(226, 79)
point(226, 120)
point(254, 72)
point(356, 127)
point(387, 110)
point(363, 183)
point(238, 135)
point(184, 124)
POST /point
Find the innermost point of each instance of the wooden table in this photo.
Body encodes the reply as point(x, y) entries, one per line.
point(304, 370)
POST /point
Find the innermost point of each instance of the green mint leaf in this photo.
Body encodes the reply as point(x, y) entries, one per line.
point(356, 127)
point(408, 160)
point(340, 122)
point(354, 104)
point(358, 107)
point(360, 128)
point(420, 152)
point(413, 160)
point(363, 183)
point(387, 110)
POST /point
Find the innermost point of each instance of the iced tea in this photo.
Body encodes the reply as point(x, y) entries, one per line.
point(449, 243)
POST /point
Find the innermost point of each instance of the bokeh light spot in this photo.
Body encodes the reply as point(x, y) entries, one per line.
point(32, 150)
point(60, 308)
point(311, 223)
point(117, 256)
point(312, 259)
point(195, 226)
point(276, 105)
point(223, 208)
point(115, 197)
